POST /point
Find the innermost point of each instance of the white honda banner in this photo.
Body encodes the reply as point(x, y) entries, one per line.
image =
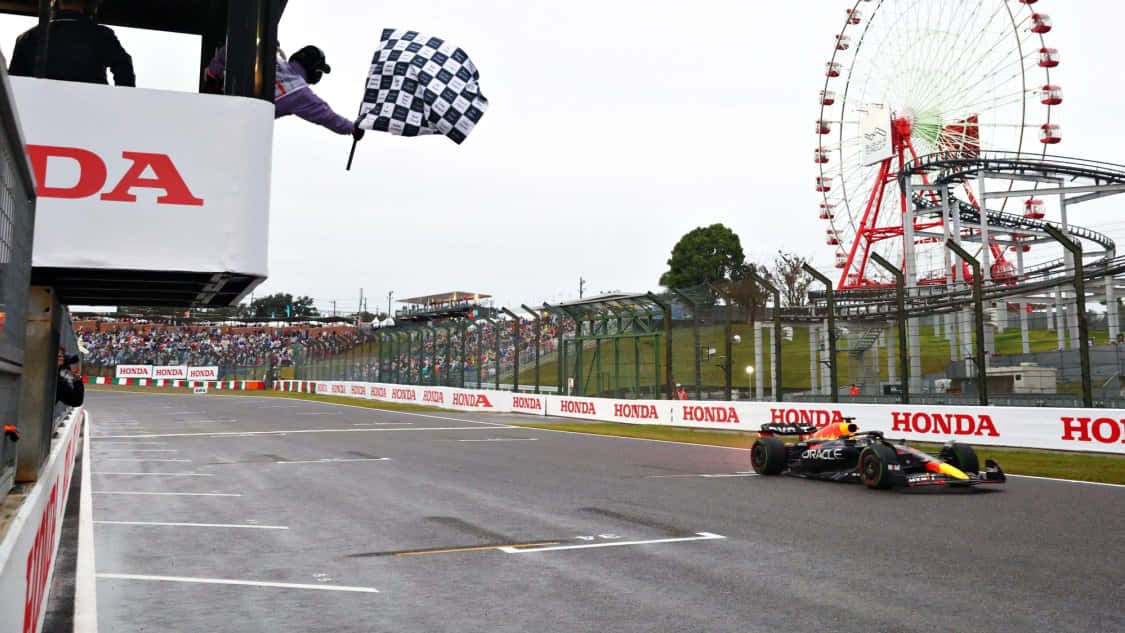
point(170, 372)
point(138, 187)
point(134, 371)
point(203, 373)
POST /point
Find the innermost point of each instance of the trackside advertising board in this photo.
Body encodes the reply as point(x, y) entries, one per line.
point(203, 373)
point(27, 553)
point(132, 188)
point(171, 372)
point(134, 371)
point(1093, 430)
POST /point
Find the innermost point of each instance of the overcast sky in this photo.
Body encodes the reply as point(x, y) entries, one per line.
point(614, 127)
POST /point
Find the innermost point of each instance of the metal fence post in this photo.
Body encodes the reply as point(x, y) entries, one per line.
point(829, 294)
point(538, 334)
point(1075, 248)
point(900, 298)
point(761, 281)
point(695, 340)
point(516, 343)
point(669, 383)
point(978, 309)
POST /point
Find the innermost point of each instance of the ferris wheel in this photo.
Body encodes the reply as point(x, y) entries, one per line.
point(908, 78)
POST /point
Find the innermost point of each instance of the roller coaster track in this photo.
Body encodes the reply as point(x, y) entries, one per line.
point(879, 304)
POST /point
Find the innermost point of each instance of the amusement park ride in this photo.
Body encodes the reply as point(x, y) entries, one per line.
point(935, 121)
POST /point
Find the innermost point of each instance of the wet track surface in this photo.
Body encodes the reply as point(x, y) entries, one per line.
point(260, 514)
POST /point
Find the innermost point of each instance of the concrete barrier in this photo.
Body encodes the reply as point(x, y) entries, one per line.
point(28, 549)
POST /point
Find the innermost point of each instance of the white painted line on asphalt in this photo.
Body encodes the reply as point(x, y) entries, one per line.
point(505, 439)
point(168, 494)
point(1069, 481)
point(138, 459)
point(702, 536)
point(638, 439)
point(382, 423)
point(317, 413)
point(156, 474)
point(117, 445)
point(201, 525)
point(143, 450)
point(730, 475)
point(245, 583)
point(250, 433)
point(85, 586)
point(334, 460)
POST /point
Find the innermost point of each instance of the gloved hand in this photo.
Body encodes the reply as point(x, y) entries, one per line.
point(358, 132)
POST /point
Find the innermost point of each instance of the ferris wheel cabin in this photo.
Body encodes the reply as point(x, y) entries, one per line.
point(134, 206)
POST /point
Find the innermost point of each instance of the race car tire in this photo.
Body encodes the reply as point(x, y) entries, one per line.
point(962, 457)
point(874, 466)
point(767, 456)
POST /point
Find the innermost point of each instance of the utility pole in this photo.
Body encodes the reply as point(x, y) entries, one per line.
point(581, 287)
point(389, 295)
point(359, 309)
point(333, 307)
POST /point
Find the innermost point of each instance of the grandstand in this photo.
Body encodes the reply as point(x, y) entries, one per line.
point(445, 305)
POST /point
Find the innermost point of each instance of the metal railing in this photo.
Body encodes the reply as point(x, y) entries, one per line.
point(17, 222)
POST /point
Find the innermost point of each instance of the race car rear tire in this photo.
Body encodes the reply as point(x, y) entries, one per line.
point(875, 466)
point(962, 457)
point(767, 456)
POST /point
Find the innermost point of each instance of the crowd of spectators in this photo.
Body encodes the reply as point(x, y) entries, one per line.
point(112, 343)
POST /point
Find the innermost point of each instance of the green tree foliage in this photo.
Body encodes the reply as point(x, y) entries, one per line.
point(282, 305)
point(704, 255)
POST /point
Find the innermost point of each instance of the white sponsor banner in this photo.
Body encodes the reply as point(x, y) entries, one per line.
point(134, 371)
point(203, 373)
point(1089, 430)
point(875, 135)
point(27, 553)
point(135, 177)
point(529, 403)
point(170, 372)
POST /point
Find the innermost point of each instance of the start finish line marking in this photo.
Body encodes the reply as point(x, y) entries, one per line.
point(700, 536)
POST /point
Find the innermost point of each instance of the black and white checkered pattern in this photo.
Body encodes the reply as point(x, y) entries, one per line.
point(422, 85)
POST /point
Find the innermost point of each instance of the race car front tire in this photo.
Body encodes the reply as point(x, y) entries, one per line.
point(767, 456)
point(961, 456)
point(875, 466)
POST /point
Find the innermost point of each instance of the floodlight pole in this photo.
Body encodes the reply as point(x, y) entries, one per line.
point(1075, 249)
point(900, 299)
point(516, 342)
point(978, 309)
point(538, 333)
point(830, 296)
point(761, 281)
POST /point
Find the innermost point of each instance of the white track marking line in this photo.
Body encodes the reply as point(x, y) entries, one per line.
point(382, 423)
point(505, 439)
point(168, 494)
point(137, 460)
point(334, 460)
point(316, 413)
point(702, 536)
point(637, 439)
point(155, 474)
point(85, 585)
point(245, 583)
point(1068, 481)
point(143, 450)
point(249, 433)
point(129, 445)
point(201, 525)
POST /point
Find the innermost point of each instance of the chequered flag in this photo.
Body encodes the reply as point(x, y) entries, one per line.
point(421, 85)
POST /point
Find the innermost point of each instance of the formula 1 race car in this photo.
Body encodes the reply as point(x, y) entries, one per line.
point(839, 452)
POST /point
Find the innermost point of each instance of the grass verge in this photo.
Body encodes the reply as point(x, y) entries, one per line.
point(1108, 469)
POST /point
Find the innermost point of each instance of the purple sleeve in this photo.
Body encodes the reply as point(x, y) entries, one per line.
point(305, 104)
point(219, 63)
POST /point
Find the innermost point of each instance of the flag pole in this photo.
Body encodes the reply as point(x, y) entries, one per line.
point(351, 155)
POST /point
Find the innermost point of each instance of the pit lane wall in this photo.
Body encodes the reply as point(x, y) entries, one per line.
point(28, 548)
point(1086, 430)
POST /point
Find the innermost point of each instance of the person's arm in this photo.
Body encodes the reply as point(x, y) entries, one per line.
point(307, 105)
point(118, 61)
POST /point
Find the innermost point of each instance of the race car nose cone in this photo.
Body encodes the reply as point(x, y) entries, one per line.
point(946, 469)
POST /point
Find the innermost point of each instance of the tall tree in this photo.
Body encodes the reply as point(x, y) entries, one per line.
point(282, 305)
point(788, 274)
point(704, 254)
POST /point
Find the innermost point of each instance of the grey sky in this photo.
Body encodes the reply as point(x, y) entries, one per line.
point(614, 127)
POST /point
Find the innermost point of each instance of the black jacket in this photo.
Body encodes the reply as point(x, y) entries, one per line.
point(77, 50)
point(69, 389)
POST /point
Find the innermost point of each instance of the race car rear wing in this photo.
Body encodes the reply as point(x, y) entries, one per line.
point(771, 429)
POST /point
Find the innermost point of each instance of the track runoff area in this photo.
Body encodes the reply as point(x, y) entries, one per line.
point(266, 514)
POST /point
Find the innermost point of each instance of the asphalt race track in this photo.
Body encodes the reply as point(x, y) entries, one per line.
point(278, 515)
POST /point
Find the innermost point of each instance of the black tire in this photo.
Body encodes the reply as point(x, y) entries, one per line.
point(874, 466)
point(962, 457)
point(768, 456)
